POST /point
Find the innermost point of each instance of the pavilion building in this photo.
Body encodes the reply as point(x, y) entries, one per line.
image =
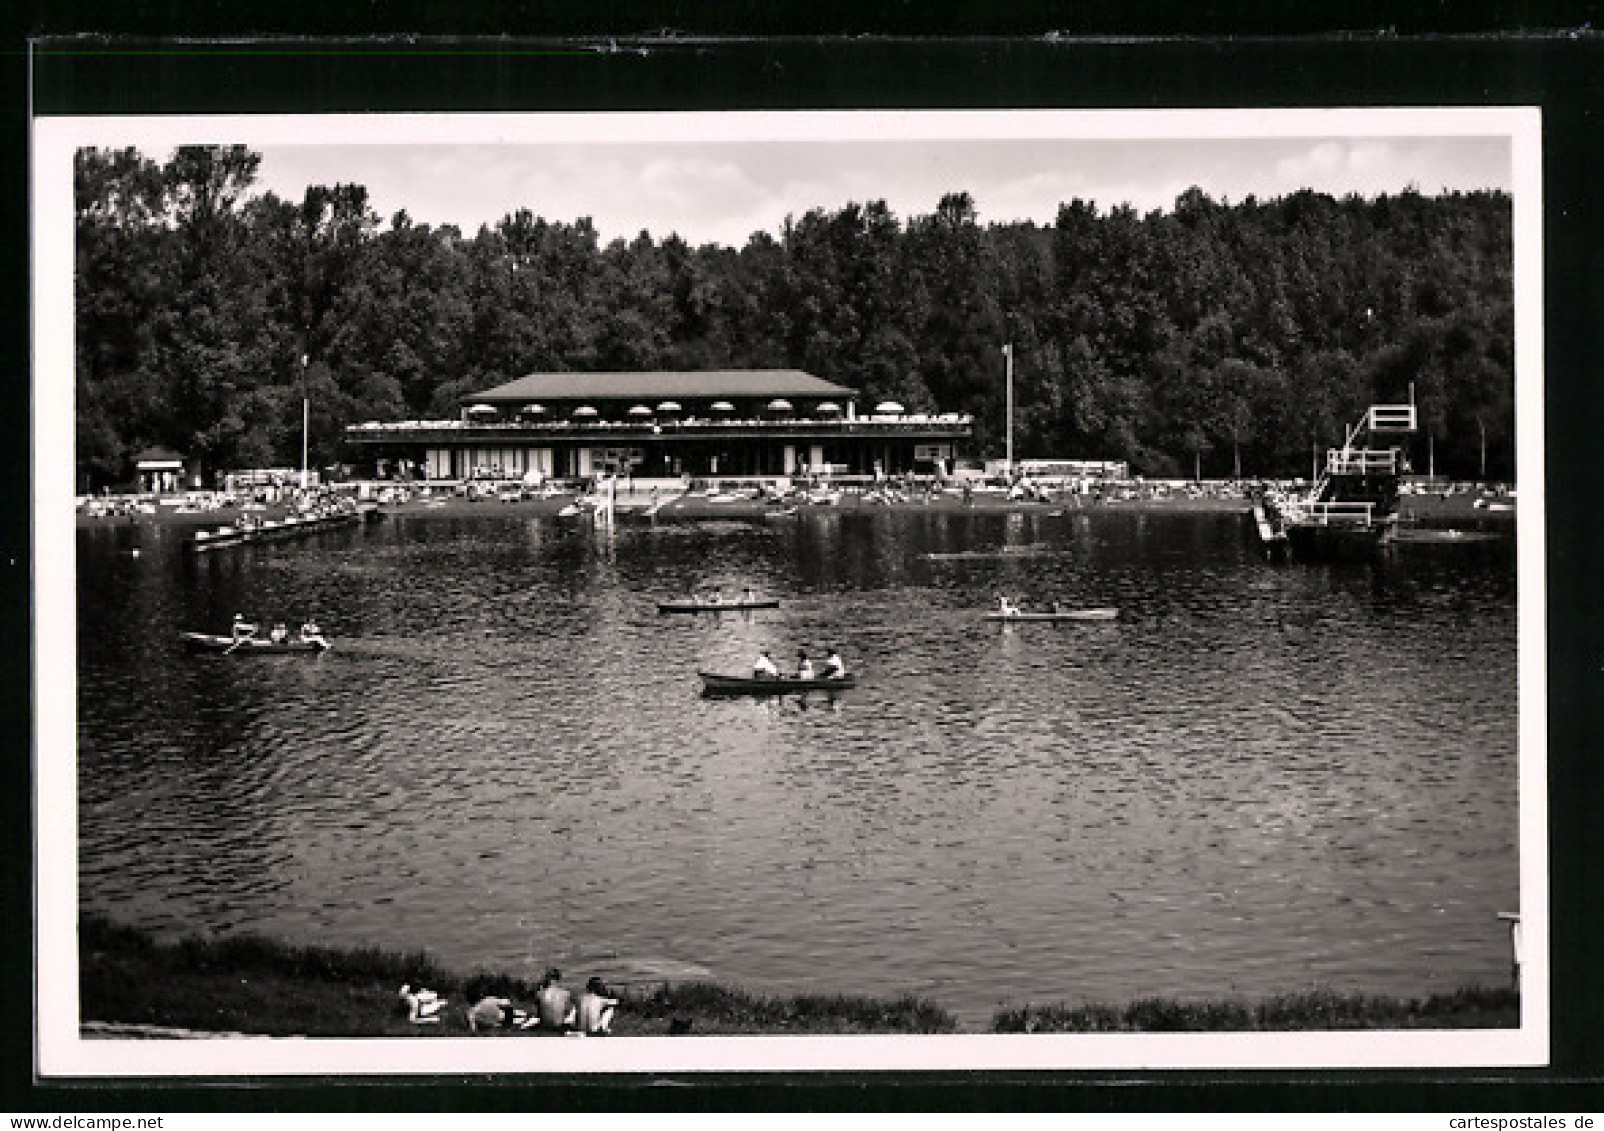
point(161, 471)
point(734, 423)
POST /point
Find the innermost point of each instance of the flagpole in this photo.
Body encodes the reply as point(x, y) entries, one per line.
point(306, 419)
point(1008, 353)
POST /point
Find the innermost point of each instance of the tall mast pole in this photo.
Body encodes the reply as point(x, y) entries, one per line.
point(1008, 353)
point(306, 419)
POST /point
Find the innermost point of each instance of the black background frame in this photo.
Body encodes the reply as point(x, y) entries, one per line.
point(176, 59)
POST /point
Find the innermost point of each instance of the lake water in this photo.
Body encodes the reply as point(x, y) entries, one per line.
point(1259, 779)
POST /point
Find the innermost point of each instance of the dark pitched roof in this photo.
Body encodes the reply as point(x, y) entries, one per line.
point(658, 385)
point(158, 455)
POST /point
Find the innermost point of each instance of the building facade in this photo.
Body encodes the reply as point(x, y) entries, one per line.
point(706, 424)
point(160, 471)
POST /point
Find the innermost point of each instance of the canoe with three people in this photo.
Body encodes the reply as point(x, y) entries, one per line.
point(715, 602)
point(243, 640)
point(767, 679)
point(1010, 611)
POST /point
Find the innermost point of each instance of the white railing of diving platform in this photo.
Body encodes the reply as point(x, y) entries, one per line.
point(1391, 418)
point(1361, 461)
point(1330, 514)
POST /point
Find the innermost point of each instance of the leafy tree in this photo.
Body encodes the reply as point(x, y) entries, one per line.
point(1208, 339)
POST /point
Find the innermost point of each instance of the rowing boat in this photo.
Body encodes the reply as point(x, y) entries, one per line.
point(1067, 614)
point(1433, 535)
point(783, 685)
point(290, 526)
point(714, 606)
point(1032, 551)
point(250, 645)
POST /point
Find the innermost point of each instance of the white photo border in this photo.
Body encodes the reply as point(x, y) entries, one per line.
point(60, 1050)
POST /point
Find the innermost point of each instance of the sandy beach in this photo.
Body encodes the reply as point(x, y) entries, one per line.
point(697, 505)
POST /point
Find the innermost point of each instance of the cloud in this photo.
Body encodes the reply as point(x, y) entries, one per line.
point(722, 192)
point(1338, 166)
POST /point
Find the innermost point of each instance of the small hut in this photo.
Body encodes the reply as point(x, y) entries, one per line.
point(160, 471)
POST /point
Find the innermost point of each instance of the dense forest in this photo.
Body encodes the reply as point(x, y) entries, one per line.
point(1212, 338)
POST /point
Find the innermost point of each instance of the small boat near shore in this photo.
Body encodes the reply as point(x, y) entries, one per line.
point(252, 645)
point(270, 530)
point(715, 684)
point(1439, 536)
point(693, 606)
point(1062, 615)
point(1033, 550)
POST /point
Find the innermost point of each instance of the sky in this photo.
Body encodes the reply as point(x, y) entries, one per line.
point(722, 186)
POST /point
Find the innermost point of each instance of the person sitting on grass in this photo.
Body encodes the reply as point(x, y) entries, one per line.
point(593, 1016)
point(489, 1013)
point(423, 1006)
point(763, 667)
point(554, 1004)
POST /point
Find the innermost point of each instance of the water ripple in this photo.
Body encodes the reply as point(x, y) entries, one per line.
point(1238, 784)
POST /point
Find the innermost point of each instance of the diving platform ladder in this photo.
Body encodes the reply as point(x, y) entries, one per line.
point(1350, 459)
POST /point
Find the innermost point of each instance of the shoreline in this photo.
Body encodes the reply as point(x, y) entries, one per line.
point(133, 985)
point(698, 507)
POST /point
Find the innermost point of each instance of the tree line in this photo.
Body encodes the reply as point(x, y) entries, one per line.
point(1209, 339)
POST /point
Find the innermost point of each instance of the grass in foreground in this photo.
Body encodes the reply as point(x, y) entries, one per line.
point(248, 984)
point(1467, 1008)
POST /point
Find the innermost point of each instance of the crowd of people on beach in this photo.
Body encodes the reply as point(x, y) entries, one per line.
point(555, 1009)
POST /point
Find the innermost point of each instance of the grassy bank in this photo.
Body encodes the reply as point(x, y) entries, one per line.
point(247, 984)
point(1467, 1008)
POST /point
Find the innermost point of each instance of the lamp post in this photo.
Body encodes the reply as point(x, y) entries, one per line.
point(1008, 397)
point(306, 419)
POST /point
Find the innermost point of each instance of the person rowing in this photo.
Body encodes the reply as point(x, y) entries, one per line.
point(280, 633)
point(242, 628)
point(834, 666)
point(763, 667)
point(1006, 607)
point(804, 666)
point(312, 634)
